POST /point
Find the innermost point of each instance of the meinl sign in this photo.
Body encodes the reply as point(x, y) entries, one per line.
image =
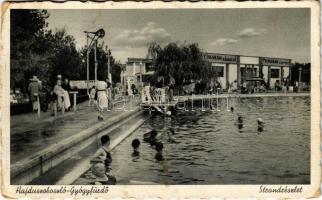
point(275, 61)
point(220, 58)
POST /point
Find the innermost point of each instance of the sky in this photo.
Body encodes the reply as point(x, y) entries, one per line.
point(270, 32)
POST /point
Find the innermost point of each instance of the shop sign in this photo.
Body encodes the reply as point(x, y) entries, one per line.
point(275, 61)
point(220, 58)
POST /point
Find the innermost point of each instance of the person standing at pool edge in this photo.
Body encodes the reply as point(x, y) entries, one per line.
point(34, 89)
point(102, 100)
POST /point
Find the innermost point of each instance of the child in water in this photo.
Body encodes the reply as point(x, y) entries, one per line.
point(103, 153)
point(159, 148)
point(240, 122)
point(135, 145)
point(151, 137)
point(231, 109)
point(260, 125)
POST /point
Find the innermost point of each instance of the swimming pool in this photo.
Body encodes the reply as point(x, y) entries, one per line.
point(213, 150)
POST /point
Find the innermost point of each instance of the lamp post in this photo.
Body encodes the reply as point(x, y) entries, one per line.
point(109, 65)
point(141, 73)
point(94, 36)
point(300, 79)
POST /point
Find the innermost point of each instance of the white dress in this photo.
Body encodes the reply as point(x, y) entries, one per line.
point(61, 93)
point(101, 87)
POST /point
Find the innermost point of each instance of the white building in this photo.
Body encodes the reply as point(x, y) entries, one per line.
point(137, 71)
point(227, 68)
point(242, 68)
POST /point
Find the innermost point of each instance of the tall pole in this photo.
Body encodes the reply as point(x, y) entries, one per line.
point(87, 64)
point(141, 73)
point(98, 34)
point(109, 66)
point(87, 69)
point(300, 79)
point(95, 52)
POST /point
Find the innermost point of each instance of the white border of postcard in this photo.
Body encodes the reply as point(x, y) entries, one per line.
point(165, 191)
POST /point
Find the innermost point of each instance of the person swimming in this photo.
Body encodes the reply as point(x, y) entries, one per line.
point(100, 117)
point(170, 133)
point(159, 148)
point(151, 137)
point(136, 145)
point(260, 125)
point(240, 122)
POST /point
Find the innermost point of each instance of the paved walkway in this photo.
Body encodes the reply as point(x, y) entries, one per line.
point(30, 135)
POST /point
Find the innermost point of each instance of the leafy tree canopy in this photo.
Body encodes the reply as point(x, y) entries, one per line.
point(35, 50)
point(184, 62)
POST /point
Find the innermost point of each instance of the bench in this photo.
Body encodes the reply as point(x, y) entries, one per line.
point(75, 98)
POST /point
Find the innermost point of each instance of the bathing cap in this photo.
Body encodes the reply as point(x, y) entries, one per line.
point(259, 119)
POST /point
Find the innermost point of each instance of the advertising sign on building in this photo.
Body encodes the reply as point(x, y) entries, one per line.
point(220, 58)
point(275, 61)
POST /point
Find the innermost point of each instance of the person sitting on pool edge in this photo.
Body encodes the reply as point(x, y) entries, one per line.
point(151, 137)
point(159, 148)
point(260, 125)
point(103, 154)
point(136, 145)
point(101, 178)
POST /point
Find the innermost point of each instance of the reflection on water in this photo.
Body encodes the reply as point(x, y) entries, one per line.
point(213, 150)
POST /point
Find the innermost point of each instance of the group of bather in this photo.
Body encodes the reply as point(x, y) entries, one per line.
point(102, 159)
point(240, 122)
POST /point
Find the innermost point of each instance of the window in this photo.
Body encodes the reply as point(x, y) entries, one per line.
point(218, 71)
point(275, 73)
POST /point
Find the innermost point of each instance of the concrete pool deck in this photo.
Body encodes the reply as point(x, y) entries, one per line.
point(38, 145)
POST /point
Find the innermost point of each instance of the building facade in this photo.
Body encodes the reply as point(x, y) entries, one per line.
point(226, 67)
point(137, 71)
point(229, 68)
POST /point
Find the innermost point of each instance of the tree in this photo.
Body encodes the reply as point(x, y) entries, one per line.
point(41, 52)
point(26, 28)
point(305, 72)
point(183, 62)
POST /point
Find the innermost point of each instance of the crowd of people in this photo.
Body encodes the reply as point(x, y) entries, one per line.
point(254, 86)
point(162, 91)
point(57, 97)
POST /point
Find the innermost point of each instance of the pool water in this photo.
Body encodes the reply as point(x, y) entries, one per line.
point(211, 149)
